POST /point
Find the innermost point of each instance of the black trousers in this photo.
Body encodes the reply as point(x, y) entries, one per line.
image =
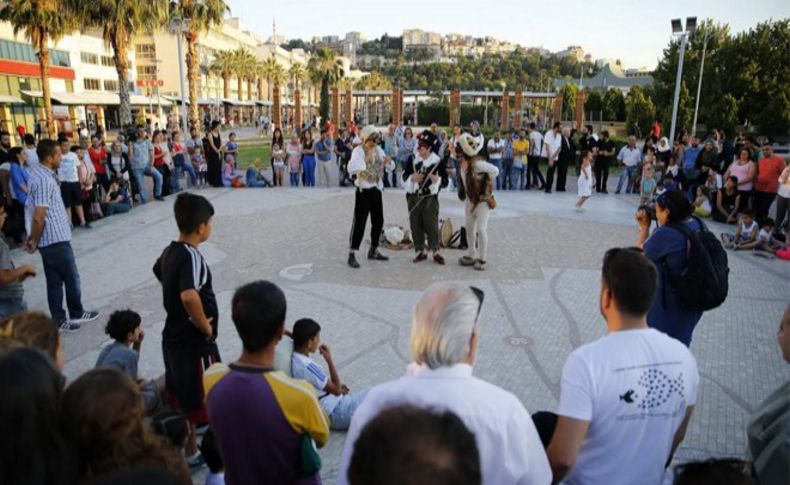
point(424, 221)
point(367, 201)
point(762, 203)
point(533, 171)
point(562, 174)
point(601, 174)
point(550, 176)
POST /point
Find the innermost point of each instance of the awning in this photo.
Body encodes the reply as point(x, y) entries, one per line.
point(98, 98)
point(236, 102)
point(176, 99)
point(7, 99)
point(59, 98)
point(263, 102)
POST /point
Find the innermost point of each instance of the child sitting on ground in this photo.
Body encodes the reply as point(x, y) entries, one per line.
point(124, 353)
point(702, 206)
point(254, 177)
point(660, 189)
point(745, 233)
point(766, 243)
point(334, 396)
point(232, 148)
point(229, 176)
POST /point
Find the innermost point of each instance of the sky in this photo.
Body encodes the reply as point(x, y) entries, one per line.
point(634, 31)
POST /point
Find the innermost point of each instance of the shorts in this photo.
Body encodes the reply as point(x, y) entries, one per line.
point(71, 193)
point(184, 368)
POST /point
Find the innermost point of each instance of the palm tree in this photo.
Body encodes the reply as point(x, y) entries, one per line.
point(326, 65)
point(277, 76)
point(268, 67)
point(41, 21)
point(222, 66)
point(244, 62)
point(297, 73)
point(120, 21)
point(374, 81)
point(202, 15)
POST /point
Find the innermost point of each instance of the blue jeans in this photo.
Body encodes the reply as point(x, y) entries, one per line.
point(627, 172)
point(139, 174)
point(341, 415)
point(295, 179)
point(12, 306)
point(60, 269)
point(189, 169)
point(515, 176)
point(497, 164)
point(309, 170)
point(175, 177)
point(116, 208)
point(504, 174)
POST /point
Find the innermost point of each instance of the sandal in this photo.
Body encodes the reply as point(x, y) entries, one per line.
point(466, 261)
point(480, 265)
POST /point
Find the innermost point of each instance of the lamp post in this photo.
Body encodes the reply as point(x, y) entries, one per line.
point(699, 84)
point(677, 31)
point(179, 26)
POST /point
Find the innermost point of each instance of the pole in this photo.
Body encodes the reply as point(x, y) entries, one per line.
point(183, 107)
point(699, 84)
point(683, 38)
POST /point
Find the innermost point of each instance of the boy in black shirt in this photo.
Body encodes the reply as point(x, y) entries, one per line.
point(190, 332)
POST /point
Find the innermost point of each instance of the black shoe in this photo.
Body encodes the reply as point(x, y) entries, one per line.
point(376, 255)
point(352, 260)
point(159, 198)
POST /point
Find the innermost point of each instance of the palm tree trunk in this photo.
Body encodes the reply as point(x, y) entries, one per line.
point(43, 62)
point(122, 67)
point(192, 76)
point(260, 88)
point(226, 93)
point(324, 107)
point(240, 86)
point(249, 88)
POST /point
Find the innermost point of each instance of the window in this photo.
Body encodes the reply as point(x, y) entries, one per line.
point(146, 72)
point(107, 61)
point(88, 58)
point(110, 85)
point(145, 51)
point(91, 84)
point(17, 51)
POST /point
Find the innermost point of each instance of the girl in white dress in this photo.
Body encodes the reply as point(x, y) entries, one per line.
point(585, 179)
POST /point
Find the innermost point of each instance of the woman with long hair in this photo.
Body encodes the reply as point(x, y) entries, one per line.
point(103, 412)
point(475, 186)
point(277, 139)
point(308, 158)
point(33, 450)
point(163, 162)
point(213, 155)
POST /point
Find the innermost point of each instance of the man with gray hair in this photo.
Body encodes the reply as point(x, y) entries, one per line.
point(444, 338)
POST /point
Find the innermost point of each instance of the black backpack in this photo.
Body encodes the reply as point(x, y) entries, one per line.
point(703, 285)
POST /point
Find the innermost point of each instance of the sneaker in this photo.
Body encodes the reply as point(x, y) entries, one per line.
point(352, 260)
point(67, 326)
point(87, 316)
point(466, 261)
point(159, 198)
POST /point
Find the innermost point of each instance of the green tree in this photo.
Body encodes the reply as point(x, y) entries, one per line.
point(569, 92)
point(223, 66)
point(639, 109)
point(723, 113)
point(614, 105)
point(244, 64)
point(326, 66)
point(202, 15)
point(120, 21)
point(593, 105)
point(42, 21)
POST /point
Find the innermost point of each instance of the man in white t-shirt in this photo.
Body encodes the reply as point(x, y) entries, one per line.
point(537, 156)
point(496, 147)
point(626, 398)
point(30, 150)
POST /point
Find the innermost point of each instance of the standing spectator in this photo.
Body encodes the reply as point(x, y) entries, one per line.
point(783, 200)
point(622, 415)
point(117, 162)
point(603, 161)
point(668, 247)
point(262, 419)
point(689, 161)
point(213, 155)
point(588, 142)
point(232, 148)
point(496, 148)
point(37, 130)
point(12, 294)
point(520, 175)
point(50, 234)
point(452, 160)
point(70, 186)
point(507, 162)
point(278, 165)
point(406, 444)
point(444, 339)
point(745, 170)
point(769, 169)
point(30, 150)
point(634, 130)
point(725, 151)
point(390, 146)
point(277, 139)
point(5, 167)
point(342, 155)
point(629, 157)
point(163, 162)
point(190, 332)
point(553, 143)
point(294, 153)
point(565, 158)
point(19, 188)
point(407, 149)
point(323, 151)
point(98, 155)
point(180, 163)
point(143, 164)
point(308, 159)
point(538, 154)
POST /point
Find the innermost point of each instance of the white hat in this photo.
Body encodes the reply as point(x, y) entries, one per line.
point(368, 132)
point(469, 145)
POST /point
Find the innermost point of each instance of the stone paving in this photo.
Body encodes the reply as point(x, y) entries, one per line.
point(541, 294)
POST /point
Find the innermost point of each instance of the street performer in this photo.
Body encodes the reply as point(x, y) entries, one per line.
point(423, 176)
point(366, 168)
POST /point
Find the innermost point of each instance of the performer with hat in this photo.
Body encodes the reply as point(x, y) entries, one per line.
point(423, 176)
point(366, 168)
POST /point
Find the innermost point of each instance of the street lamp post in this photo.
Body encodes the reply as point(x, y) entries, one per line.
point(677, 30)
point(699, 84)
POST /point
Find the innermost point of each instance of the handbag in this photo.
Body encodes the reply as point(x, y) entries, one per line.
point(309, 459)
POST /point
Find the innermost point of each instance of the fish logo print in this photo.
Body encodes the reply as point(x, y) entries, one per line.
point(658, 387)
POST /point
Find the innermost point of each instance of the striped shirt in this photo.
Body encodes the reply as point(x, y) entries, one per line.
point(44, 191)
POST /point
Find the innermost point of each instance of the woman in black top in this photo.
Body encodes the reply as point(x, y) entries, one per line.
point(277, 138)
point(213, 156)
point(728, 201)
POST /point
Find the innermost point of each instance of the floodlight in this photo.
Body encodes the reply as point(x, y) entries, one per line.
point(677, 26)
point(691, 24)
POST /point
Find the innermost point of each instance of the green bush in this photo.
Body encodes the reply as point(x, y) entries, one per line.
point(440, 114)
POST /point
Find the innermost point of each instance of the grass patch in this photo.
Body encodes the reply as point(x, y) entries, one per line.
point(249, 152)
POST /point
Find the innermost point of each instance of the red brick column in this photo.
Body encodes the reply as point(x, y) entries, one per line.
point(504, 121)
point(397, 105)
point(335, 107)
point(455, 108)
point(580, 98)
point(349, 113)
point(517, 107)
point(557, 108)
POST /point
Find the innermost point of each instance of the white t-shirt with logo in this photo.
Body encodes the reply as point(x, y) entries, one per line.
point(303, 367)
point(633, 387)
point(495, 145)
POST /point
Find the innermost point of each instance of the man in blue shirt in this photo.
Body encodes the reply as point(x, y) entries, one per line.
point(323, 150)
point(143, 164)
point(690, 158)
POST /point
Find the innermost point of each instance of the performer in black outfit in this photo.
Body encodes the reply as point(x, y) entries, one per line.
point(423, 176)
point(366, 168)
